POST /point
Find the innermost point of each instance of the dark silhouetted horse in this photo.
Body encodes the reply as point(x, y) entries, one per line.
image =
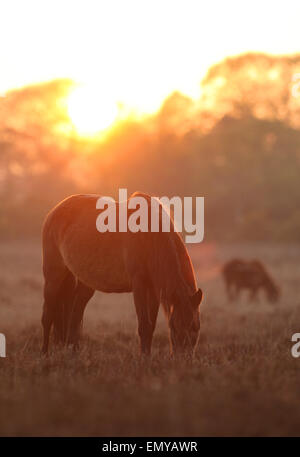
point(240, 274)
point(78, 260)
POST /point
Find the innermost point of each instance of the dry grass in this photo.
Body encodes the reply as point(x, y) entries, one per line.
point(243, 380)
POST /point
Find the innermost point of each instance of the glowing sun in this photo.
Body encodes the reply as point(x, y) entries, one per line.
point(91, 111)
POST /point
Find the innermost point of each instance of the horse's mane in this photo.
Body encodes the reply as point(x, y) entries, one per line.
point(169, 263)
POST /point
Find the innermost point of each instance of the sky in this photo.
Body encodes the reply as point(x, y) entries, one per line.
point(137, 52)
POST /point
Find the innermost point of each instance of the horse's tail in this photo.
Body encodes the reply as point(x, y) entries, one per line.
point(59, 287)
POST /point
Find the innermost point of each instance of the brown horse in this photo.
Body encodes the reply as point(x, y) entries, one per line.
point(78, 260)
point(252, 275)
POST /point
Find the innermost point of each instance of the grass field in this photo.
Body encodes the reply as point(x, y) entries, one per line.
point(243, 380)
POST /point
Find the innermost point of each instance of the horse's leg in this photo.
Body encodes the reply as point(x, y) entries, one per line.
point(235, 292)
point(55, 273)
point(146, 305)
point(52, 290)
point(83, 294)
point(253, 294)
point(48, 315)
point(64, 307)
point(230, 294)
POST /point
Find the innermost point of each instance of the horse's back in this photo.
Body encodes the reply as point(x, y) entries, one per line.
point(249, 274)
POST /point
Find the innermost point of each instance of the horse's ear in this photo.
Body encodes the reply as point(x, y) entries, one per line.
point(197, 297)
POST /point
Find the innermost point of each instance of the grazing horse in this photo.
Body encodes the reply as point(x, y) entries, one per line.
point(240, 274)
point(155, 266)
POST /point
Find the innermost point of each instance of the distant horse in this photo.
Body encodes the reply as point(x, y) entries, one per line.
point(240, 274)
point(78, 259)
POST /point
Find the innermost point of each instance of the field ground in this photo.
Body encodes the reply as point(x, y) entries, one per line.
point(243, 380)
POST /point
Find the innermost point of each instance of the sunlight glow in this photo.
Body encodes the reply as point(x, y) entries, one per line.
point(91, 111)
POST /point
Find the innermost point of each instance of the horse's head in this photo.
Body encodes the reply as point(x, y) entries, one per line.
point(273, 291)
point(184, 322)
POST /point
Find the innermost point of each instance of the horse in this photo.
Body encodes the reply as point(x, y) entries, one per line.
point(252, 275)
point(79, 260)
